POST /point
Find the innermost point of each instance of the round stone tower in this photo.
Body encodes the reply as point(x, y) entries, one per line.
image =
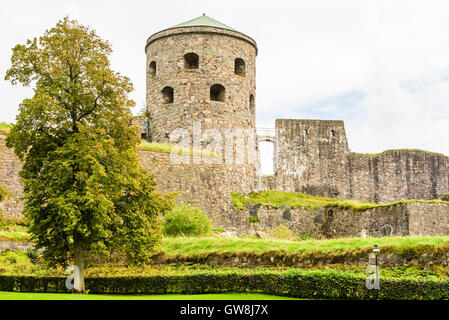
point(200, 71)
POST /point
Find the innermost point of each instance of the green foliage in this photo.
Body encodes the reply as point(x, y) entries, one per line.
point(400, 150)
point(4, 193)
point(327, 284)
point(277, 199)
point(253, 219)
point(5, 128)
point(186, 220)
point(32, 254)
point(281, 232)
point(356, 246)
point(85, 193)
point(13, 231)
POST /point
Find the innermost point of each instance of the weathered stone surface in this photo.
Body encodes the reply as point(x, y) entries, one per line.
point(314, 158)
point(406, 219)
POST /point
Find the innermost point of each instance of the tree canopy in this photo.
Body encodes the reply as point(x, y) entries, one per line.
point(85, 193)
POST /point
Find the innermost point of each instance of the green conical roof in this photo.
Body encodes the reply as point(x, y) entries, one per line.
point(204, 21)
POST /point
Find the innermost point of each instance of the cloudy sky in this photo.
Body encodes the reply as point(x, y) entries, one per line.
point(381, 66)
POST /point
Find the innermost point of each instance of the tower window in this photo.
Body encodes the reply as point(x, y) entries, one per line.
point(217, 93)
point(239, 67)
point(191, 60)
point(252, 103)
point(332, 133)
point(167, 95)
point(152, 69)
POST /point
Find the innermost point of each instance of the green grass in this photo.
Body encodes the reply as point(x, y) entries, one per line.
point(398, 150)
point(276, 199)
point(68, 296)
point(14, 232)
point(5, 128)
point(173, 246)
point(167, 148)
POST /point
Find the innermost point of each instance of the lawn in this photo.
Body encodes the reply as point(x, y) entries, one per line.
point(68, 296)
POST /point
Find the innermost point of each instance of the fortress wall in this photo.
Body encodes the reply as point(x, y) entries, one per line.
point(398, 175)
point(428, 219)
point(424, 219)
point(206, 186)
point(312, 157)
point(315, 161)
point(376, 222)
point(10, 166)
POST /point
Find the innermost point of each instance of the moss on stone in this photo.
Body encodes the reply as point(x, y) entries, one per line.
point(398, 150)
point(5, 128)
point(167, 148)
point(277, 199)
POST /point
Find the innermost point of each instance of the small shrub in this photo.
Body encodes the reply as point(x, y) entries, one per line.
point(186, 220)
point(281, 232)
point(32, 254)
point(253, 219)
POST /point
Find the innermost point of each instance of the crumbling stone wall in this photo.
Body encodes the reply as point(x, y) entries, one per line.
point(311, 157)
point(405, 219)
point(314, 158)
point(206, 186)
point(396, 175)
point(10, 166)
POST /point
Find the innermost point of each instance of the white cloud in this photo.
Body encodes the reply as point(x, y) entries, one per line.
point(394, 52)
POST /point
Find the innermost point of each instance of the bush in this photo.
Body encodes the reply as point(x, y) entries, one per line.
point(187, 221)
point(294, 283)
point(4, 193)
point(281, 232)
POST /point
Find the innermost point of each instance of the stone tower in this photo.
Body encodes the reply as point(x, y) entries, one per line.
point(200, 71)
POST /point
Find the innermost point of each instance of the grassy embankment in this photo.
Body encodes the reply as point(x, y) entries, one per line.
point(276, 199)
point(4, 128)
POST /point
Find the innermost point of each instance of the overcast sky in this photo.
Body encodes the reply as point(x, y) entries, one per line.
point(381, 66)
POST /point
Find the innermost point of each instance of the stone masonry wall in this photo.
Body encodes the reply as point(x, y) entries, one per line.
point(311, 157)
point(424, 219)
point(217, 50)
point(10, 166)
point(428, 219)
point(314, 158)
point(207, 186)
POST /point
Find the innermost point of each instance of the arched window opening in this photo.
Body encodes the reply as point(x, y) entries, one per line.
point(152, 69)
point(240, 67)
point(306, 132)
point(167, 95)
point(330, 215)
point(286, 215)
point(191, 60)
point(217, 93)
point(252, 103)
point(333, 133)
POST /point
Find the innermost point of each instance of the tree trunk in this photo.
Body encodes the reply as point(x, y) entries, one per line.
point(79, 264)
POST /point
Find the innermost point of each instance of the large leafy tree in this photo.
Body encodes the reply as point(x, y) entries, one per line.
point(85, 193)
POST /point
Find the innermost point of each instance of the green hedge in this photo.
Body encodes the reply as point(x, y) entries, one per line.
point(311, 284)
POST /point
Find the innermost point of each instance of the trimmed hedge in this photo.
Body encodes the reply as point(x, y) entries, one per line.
point(301, 284)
